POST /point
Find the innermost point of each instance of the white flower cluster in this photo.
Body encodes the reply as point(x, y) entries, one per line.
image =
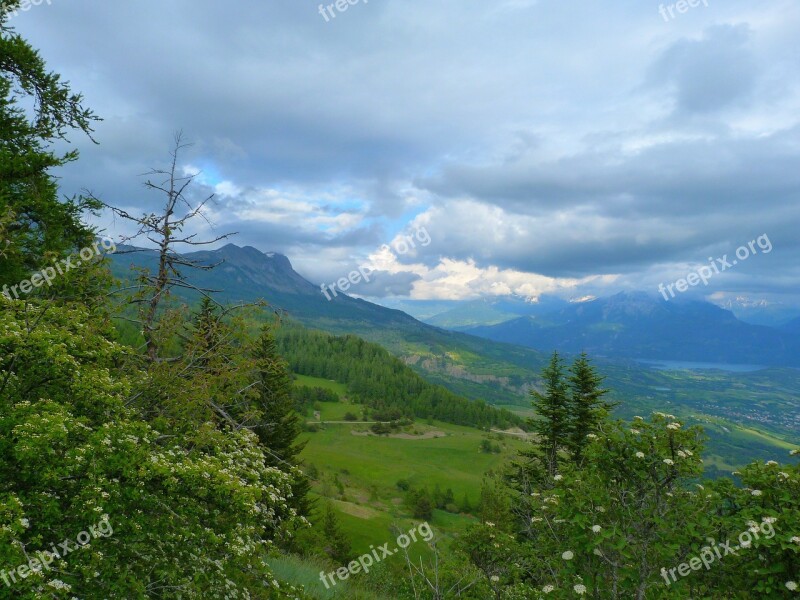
point(60, 585)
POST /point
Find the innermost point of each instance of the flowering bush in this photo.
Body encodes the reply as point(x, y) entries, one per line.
point(603, 523)
point(191, 515)
point(770, 494)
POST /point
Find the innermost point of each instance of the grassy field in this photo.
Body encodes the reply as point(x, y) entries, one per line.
point(369, 467)
point(326, 384)
point(454, 460)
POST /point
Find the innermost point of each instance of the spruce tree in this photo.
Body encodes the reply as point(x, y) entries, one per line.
point(280, 424)
point(587, 408)
point(423, 506)
point(552, 407)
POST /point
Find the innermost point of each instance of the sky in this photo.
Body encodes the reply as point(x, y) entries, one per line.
point(462, 149)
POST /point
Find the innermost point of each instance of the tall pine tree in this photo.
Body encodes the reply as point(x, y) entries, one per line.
point(586, 405)
point(280, 424)
point(552, 407)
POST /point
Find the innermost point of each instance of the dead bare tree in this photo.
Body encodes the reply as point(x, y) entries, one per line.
point(166, 231)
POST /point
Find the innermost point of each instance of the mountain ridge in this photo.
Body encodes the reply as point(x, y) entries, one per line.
point(636, 325)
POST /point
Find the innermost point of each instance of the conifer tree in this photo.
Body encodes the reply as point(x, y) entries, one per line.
point(207, 333)
point(423, 507)
point(280, 424)
point(587, 408)
point(552, 407)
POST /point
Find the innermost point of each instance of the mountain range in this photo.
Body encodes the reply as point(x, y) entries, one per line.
point(640, 326)
point(628, 325)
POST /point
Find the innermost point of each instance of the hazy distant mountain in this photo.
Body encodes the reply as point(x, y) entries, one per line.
point(419, 309)
point(636, 325)
point(470, 314)
point(460, 315)
point(760, 311)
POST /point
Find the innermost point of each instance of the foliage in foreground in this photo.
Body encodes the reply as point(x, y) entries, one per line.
point(194, 513)
point(619, 518)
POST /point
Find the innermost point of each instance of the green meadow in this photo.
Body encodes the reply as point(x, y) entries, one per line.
point(359, 471)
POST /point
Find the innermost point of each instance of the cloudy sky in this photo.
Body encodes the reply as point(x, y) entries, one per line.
point(526, 146)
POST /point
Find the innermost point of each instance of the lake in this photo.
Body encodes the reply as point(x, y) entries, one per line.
point(680, 365)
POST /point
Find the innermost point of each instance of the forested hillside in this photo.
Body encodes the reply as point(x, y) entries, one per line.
point(379, 380)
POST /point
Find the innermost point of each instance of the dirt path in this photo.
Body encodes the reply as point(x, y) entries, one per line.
point(519, 434)
point(428, 435)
